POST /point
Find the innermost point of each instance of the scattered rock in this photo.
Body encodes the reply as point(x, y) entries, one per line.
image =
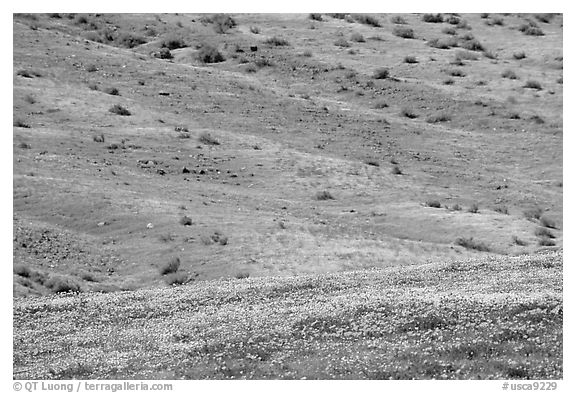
point(150, 225)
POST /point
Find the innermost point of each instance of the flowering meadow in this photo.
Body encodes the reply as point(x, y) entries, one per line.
point(490, 318)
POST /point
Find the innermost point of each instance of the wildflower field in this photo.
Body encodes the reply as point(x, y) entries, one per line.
point(491, 318)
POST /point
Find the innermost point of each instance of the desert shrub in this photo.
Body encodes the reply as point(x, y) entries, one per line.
point(410, 60)
point(24, 145)
point(87, 276)
point(457, 73)
point(537, 119)
point(439, 117)
point(323, 196)
point(403, 32)
point(514, 116)
point(498, 21)
point(380, 105)
point(22, 270)
point(489, 54)
point(455, 207)
point(472, 44)
point(516, 240)
point(337, 16)
point(433, 203)
point(254, 30)
point(222, 23)
point(93, 86)
point(112, 91)
point(276, 41)
point(463, 24)
point(531, 29)
point(20, 124)
point(532, 84)
point(173, 43)
point(453, 20)
point(472, 244)
point(317, 17)
point(519, 55)
point(396, 170)
point(209, 54)
point(398, 20)
point(484, 15)
point(163, 53)
point(55, 15)
point(91, 68)
point(263, 62)
point(407, 112)
point(176, 278)
point(466, 55)
point(341, 42)
point(547, 222)
point(433, 18)
point(59, 284)
point(443, 43)
point(128, 40)
point(242, 274)
point(185, 220)
point(170, 266)
point(367, 20)
point(509, 74)
point(546, 242)
point(208, 139)
point(449, 30)
point(544, 18)
point(119, 110)
point(81, 20)
point(545, 233)
point(473, 208)
point(534, 213)
point(381, 73)
point(357, 37)
point(98, 138)
point(501, 209)
point(448, 81)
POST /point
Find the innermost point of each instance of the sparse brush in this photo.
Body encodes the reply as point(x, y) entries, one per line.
point(516, 240)
point(443, 43)
point(546, 242)
point(473, 208)
point(407, 112)
point(534, 213)
point(531, 29)
point(403, 32)
point(185, 220)
point(545, 233)
point(119, 110)
point(410, 60)
point(532, 84)
point(537, 119)
point(323, 196)
point(91, 68)
point(381, 73)
point(208, 139)
point(367, 20)
point(172, 43)
point(547, 222)
point(22, 270)
point(316, 17)
point(509, 74)
point(170, 266)
point(176, 278)
point(466, 55)
point(448, 81)
point(473, 45)
point(438, 118)
point(276, 41)
point(456, 207)
point(449, 30)
point(24, 145)
point(98, 138)
point(357, 37)
point(472, 244)
point(380, 105)
point(501, 209)
point(242, 274)
point(20, 124)
point(398, 20)
point(93, 86)
point(254, 30)
point(519, 55)
point(457, 73)
point(341, 42)
point(163, 53)
point(433, 18)
point(128, 40)
point(112, 91)
point(433, 203)
point(453, 20)
point(59, 284)
point(209, 54)
point(396, 170)
point(222, 23)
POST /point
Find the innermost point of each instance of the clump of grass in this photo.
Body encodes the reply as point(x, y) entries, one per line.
point(21, 124)
point(119, 110)
point(357, 37)
point(380, 105)
point(209, 54)
point(407, 112)
point(98, 138)
point(537, 119)
point(448, 81)
point(531, 29)
point(410, 60)
point(172, 43)
point(170, 266)
point(547, 222)
point(316, 17)
point(24, 145)
point(367, 20)
point(546, 242)
point(185, 220)
point(533, 84)
point(60, 284)
point(164, 53)
point(545, 233)
point(381, 73)
point(516, 240)
point(456, 207)
point(396, 170)
point(341, 42)
point(533, 213)
point(519, 55)
point(93, 86)
point(501, 209)
point(433, 203)
point(509, 74)
point(176, 278)
point(473, 45)
point(473, 208)
point(403, 32)
point(443, 43)
point(22, 270)
point(449, 30)
point(433, 18)
point(112, 91)
point(91, 68)
point(323, 196)
point(398, 20)
point(128, 40)
point(453, 20)
point(207, 139)
point(472, 244)
point(276, 41)
point(514, 116)
point(438, 118)
point(466, 55)
point(457, 73)
point(242, 275)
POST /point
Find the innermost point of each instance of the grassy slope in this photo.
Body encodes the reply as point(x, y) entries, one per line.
point(487, 318)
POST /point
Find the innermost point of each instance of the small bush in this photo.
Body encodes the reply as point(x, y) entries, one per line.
point(449, 30)
point(209, 54)
point(208, 139)
point(185, 220)
point(222, 23)
point(472, 44)
point(466, 55)
point(119, 110)
point(545, 233)
point(544, 18)
point(129, 40)
point(323, 196)
point(316, 17)
point(22, 270)
point(509, 74)
point(164, 53)
point(410, 60)
point(380, 105)
point(457, 73)
point(473, 208)
point(529, 29)
point(112, 91)
point(443, 43)
point(407, 112)
point(532, 84)
point(341, 42)
point(276, 41)
point(381, 73)
point(398, 20)
point(455, 207)
point(98, 138)
point(241, 275)
point(501, 209)
point(453, 20)
point(437, 118)
point(24, 145)
point(263, 62)
point(177, 278)
point(534, 213)
point(21, 124)
point(367, 20)
point(396, 170)
point(519, 55)
point(357, 37)
point(433, 18)
point(171, 266)
point(91, 68)
point(93, 86)
point(537, 119)
point(546, 242)
point(518, 241)
point(60, 284)
point(547, 222)
point(172, 43)
point(403, 32)
point(448, 81)
point(472, 244)
point(433, 203)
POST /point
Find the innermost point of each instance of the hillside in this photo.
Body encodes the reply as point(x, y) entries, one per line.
point(489, 318)
point(278, 145)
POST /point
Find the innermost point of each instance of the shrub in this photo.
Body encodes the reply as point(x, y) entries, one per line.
point(463, 25)
point(337, 16)
point(449, 30)
point(410, 60)
point(98, 138)
point(537, 119)
point(380, 105)
point(341, 42)
point(532, 84)
point(367, 20)
point(518, 241)
point(317, 17)
point(437, 118)
point(398, 20)
point(403, 32)
point(172, 43)
point(163, 53)
point(24, 145)
point(93, 86)
point(276, 41)
point(59, 284)
point(531, 29)
point(472, 244)
point(453, 20)
point(112, 91)
point(209, 54)
point(222, 23)
point(457, 73)
point(208, 139)
point(171, 266)
point(129, 40)
point(509, 74)
point(263, 62)
point(514, 116)
point(185, 220)
point(519, 55)
point(443, 43)
point(323, 196)
point(547, 222)
point(545, 233)
point(242, 274)
point(466, 55)
point(473, 208)
point(254, 30)
point(472, 44)
point(91, 68)
point(544, 18)
point(22, 270)
point(406, 112)
point(546, 242)
point(433, 18)
point(176, 278)
point(501, 209)
point(534, 213)
point(357, 37)
point(396, 170)
point(433, 203)
point(489, 54)
point(381, 73)
point(119, 110)
point(455, 207)
point(448, 81)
